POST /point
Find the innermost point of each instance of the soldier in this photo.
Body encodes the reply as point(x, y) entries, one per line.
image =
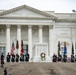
point(2, 60)
point(22, 57)
point(64, 58)
point(59, 58)
point(13, 58)
point(54, 58)
point(8, 58)
point(17, 57)
point(27, 57)
point(72, 58)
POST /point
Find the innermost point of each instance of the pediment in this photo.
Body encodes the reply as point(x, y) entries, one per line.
point(24, 11)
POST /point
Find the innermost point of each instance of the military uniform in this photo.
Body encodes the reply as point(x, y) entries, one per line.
point(13, 58)
point(72, 58)
point(54, 58)
point(64, 58)
point(26, 57)
point(59, 58)
point(17, 57)
point(22, 57)
point(8, 58)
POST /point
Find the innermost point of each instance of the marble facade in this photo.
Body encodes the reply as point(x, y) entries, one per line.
point(40, 30)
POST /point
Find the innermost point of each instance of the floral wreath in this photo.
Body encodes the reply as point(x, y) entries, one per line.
point(42, 55)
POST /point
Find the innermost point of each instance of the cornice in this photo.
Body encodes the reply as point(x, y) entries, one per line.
point(29, 18)
point(41, 18)
point(27, 7)
point(66, 20)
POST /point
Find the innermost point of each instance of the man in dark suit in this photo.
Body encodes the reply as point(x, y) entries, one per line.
point(5, 71)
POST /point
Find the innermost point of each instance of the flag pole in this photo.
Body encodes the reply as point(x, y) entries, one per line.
point(17, 46)
point(72, 51)
point(71, 41)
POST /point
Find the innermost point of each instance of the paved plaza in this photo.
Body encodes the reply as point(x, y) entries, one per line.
point(24, 68)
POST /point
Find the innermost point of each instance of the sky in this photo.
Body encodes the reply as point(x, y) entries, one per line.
point(59, 6)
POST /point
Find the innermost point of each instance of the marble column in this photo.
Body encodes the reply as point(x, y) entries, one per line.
point(51, 40)
point(8, 46)
point(40, 34)
point(19, 38)
point(30, 41)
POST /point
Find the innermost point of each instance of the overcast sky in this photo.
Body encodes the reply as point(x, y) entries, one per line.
point(59, 6)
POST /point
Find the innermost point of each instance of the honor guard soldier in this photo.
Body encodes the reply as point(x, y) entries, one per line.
point(54, 58)
point(59, 58)
point(2, 60)
point(8, 58)
point(17, 58)
point(13, 58)
point(72, 58)
point(27, 57)
point(22, 57)
point(64, 58)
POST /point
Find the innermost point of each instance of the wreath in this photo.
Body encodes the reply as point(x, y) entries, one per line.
point(42, 56)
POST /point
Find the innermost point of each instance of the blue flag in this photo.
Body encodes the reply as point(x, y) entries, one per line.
point(65, 48)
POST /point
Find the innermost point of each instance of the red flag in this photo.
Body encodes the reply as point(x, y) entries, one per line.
point(22, 49)
point(17, 45)
point(12, 48)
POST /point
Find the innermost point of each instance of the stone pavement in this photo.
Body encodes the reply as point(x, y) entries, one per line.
point(41, 68)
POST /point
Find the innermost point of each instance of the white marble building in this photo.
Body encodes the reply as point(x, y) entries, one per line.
point(39, 30)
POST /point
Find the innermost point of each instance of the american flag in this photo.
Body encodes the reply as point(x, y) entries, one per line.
point(12, 48)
